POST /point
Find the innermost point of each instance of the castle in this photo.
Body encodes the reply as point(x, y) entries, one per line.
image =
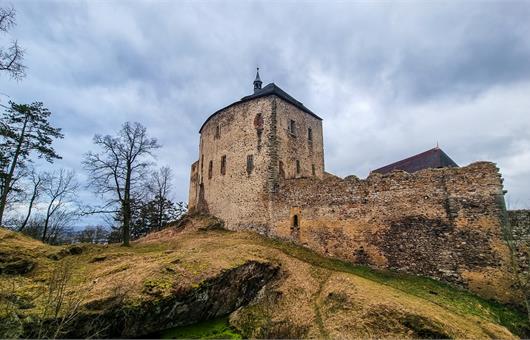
point(261, 169)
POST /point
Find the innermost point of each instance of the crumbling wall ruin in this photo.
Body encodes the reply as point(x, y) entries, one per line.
point(519, 232)
point(443, 223)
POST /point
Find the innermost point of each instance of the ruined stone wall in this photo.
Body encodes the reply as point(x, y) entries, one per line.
point(520, 223)
point(442, 223)
point(520, 230)
point(194, 183)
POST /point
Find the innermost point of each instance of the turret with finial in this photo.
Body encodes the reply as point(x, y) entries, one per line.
point(257, 82)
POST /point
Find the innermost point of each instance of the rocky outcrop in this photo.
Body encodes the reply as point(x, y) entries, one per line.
point(215, 297)
point(15, 264)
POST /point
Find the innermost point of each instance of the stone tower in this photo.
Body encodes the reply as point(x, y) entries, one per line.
point(247, 148)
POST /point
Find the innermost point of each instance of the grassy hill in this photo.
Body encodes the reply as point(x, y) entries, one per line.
point(202, 281)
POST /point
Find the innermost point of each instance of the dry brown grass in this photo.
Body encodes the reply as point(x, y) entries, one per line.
point(308, 300)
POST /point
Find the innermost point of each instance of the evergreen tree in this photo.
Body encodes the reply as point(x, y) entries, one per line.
point(24, 130)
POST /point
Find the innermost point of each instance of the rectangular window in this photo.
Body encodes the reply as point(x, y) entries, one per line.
point(297, 166)
point(309, 134)
point(250, 163)
point(223, 165)
point(202, 167)
point(313, 169)
point(292, 127)
point(210, 170)
point(218, 131)
point(282, 172)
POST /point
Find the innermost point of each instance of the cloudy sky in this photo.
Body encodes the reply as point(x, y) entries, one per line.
point(390, 79)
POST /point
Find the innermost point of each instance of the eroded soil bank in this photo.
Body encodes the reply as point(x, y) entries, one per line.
point(198, 272)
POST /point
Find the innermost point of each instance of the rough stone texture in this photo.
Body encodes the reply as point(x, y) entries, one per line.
point(520, 229)
point(213, 298)
point(443, 223)
point(260, 128)
point(520, 223)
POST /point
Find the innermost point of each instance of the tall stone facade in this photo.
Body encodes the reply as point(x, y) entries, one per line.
point(245, 150)
point(261, 168)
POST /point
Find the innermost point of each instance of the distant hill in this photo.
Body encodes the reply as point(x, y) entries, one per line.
point(228, 285)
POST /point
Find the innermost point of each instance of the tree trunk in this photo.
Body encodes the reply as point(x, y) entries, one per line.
point(33, 197)
point(46, 223)
point(160, 214)
point(126, 224)
point(9, 178)
point(127, 208)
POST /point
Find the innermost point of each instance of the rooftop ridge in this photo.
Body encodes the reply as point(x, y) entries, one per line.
point(436, 156)
point(269, 90)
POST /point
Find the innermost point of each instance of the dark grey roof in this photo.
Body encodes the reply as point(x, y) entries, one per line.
point(269, 90)
point(433, 158)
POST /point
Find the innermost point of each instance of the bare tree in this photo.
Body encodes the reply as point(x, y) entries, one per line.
point(117, 171)
point(60, 188)
point(160, 188)
point(160, 182)
point(12, 56)
point(93, 234)
point(36, 185)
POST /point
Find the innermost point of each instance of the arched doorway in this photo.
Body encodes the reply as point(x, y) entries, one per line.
point(296, 223)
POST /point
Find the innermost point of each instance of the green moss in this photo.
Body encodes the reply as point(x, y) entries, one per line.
point(194, 267)
point(157, 286)
point(211, 329)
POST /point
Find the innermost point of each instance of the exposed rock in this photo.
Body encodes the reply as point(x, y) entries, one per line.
point(15, 264)
point(214, 297)
point(71, 250)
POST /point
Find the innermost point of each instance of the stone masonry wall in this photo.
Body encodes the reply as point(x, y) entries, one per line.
point(194, 183)
point(297, 146)
point(256, 128)
point(520, 223)
point(520, 228)
point(442, 223)
point(235, 133)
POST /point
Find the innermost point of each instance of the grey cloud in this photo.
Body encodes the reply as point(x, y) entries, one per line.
point(389, 79)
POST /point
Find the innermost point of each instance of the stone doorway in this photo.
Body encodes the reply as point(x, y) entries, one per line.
point(295, 219)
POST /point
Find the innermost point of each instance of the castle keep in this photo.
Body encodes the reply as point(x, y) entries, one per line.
point(261, 168)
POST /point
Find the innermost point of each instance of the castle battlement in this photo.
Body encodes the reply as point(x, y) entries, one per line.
point(261, 169)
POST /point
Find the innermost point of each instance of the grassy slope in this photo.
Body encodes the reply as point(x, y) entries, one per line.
point(316, 297)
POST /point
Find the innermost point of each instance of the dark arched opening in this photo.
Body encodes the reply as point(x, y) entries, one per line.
point(295, 222)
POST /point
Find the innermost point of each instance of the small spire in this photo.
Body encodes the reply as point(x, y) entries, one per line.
point(437, 146)
point(257, 81)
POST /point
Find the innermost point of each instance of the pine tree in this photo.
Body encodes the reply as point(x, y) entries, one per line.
point(24, 131)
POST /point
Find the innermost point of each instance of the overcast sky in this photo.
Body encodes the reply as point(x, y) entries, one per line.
point(389, 79)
